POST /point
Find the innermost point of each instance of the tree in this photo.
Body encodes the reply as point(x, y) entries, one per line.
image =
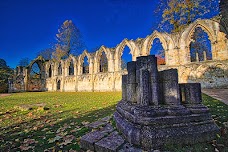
point(177, 14)
point(3, 63)
point(46, 53)
point(5, 73)
point(69, 38)
point(24, 62)
point(59, 53)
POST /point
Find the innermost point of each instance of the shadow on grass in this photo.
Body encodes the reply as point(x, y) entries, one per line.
point(49, 131)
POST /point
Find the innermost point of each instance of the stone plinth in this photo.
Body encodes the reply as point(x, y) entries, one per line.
point(156, 110)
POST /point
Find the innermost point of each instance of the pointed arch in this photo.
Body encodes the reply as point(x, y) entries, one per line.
point(120, 48)
point(50, 71)
point(81, 62)
point(208, 26)
point(164, 38)
point(60, 69)
point(205, 27)
point(36, 75)
point(102, 56)
point(70, 64)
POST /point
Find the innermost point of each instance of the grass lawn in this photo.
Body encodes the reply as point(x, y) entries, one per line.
point(56, 121)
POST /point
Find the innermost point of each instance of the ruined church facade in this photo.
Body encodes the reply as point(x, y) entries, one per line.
point(70, 75)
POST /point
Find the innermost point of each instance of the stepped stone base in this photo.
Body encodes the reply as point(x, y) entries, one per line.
point(175, 128)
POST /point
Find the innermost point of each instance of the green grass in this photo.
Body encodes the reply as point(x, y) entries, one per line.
point(59, 124)
point(40, 129)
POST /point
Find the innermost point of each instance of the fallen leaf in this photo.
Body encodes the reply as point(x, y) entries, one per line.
point(85, 123)
point(26, 147)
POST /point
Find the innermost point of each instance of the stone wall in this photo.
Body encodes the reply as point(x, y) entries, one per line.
point(211, 73)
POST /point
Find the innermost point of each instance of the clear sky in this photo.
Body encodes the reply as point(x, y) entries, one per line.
point(28, 26)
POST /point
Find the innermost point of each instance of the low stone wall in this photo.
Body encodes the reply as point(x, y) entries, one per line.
point(211, 74)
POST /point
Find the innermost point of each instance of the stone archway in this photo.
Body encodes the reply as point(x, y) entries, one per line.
point(166, 42)
point(104, 55)
point(119, 52)
point(36, 75)
point(81, 61)
point(186, 37)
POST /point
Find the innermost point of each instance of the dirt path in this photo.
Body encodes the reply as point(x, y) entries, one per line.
point(220, 94)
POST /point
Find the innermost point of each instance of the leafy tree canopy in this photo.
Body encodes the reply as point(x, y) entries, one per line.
point(177, 14)
point(5, 73)
point(24, 62)
point(69, 38)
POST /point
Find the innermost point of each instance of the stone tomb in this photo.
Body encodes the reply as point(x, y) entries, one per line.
point(156, 110)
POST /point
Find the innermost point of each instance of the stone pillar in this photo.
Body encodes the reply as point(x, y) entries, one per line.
point(124, 87)
point(91, 64)
point(26, 80)
point(111, 66)
point(131, 81)
point(141, 63)
point(191, 93)
point(204, 56)
point(170, 87)
point(144, 87)
point(63, 77)
point(154, 86)
point(197, 57)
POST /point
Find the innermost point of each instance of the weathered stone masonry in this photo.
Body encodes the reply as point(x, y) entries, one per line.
point(211, 73)
point(156, 110)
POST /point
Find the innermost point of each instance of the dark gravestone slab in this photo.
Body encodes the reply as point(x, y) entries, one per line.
point(111, 143)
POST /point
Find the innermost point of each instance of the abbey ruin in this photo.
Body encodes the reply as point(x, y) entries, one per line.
point(71, 75)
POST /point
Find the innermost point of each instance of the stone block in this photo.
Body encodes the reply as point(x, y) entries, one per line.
point(129, 130)
point(190, 93)
point(107, 118)
point(124, 87)
point(97, 124)
point(130, 148)
point(131, 69)
point(111, 143)
point(170, 88)
point(131, 92)
point(141, 63)
point(87, 141)
point(144, 91)
point(154, 86)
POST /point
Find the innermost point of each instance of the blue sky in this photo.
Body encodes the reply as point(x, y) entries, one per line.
point(28, 26)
